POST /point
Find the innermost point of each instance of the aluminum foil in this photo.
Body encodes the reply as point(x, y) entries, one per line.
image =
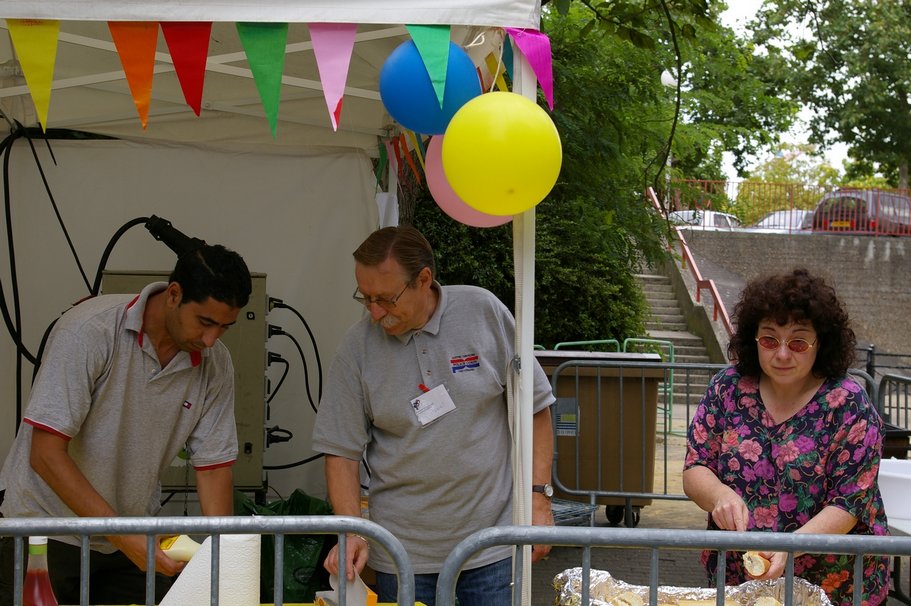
point(604, 588)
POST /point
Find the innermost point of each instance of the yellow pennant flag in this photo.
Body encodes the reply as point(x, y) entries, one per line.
point(496, 69)
point(35, 41)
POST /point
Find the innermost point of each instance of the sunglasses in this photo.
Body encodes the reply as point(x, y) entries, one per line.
point(796, 345)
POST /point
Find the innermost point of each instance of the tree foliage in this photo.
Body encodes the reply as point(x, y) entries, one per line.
point(849, 61)
point(615, 118)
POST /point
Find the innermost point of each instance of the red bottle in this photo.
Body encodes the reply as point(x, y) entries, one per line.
point(37, 590)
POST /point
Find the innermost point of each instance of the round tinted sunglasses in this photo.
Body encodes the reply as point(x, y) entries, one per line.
point(796, 345)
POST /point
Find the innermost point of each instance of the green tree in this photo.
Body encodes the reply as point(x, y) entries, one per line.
point(850, 63)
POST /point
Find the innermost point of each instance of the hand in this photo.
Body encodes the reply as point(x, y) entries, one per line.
point(541, 515)
point(777, 561)
point(134, 547)
point(730, 512)
point(357, 552)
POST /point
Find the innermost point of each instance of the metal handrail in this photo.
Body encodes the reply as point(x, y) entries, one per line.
point(718, 309)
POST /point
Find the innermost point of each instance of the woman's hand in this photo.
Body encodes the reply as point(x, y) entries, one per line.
point(729, 511)
point(777, 561)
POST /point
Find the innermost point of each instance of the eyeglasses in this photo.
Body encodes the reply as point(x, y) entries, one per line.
point(381, 301)
point(796, 345)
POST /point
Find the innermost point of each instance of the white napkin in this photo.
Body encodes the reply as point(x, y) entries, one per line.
point(357, 594)
point(238, 574)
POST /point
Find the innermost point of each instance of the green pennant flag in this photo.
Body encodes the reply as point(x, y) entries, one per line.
point(433, 44)
point(265, 44)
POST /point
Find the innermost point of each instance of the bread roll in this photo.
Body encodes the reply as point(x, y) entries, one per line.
point(627, 598)
point(707, 602)
point(766, 600)
point(180, 548)
point(755, 564)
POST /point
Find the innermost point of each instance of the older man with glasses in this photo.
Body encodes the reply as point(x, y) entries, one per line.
point(418, 390)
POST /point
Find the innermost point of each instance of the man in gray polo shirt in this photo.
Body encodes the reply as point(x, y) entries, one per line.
point(418, 388)
point(126, 382)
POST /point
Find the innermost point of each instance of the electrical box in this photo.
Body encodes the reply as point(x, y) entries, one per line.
point(246, 341)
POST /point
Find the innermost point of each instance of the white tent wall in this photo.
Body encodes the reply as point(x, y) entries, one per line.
point(296, 218)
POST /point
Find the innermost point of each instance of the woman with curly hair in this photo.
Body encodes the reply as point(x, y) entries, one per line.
point(784, 440)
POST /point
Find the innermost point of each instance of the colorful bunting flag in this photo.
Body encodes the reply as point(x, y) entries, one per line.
point(333, 44)
point(264, 44)
point(433, 45)
point(136, 42)
point(188, 43)
point(495, 67)
point(536, 48)
point(35, 41)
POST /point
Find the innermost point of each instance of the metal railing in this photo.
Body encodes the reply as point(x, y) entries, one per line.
point(656, 540)
point(279, 526)
point(687, 260)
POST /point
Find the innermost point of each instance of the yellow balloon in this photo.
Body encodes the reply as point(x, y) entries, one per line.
point(501, 153)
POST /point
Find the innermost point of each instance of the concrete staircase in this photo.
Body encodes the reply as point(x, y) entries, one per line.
point(666, 322)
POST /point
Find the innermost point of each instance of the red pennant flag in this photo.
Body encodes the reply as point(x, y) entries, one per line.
point(136, 42)
point(188, 43)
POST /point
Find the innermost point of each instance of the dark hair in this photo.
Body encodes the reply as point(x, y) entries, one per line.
point(213, 271)
point(405, 244)
point(793, 297)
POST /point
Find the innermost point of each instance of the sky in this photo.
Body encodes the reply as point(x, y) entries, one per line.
point(735, 16)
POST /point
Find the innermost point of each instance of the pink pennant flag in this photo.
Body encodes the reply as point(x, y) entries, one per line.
point(333, 44)
point(536, 48)
point(188, 43)
point(35, 41)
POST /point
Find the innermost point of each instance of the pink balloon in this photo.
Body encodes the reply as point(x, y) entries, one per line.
point(448, 201)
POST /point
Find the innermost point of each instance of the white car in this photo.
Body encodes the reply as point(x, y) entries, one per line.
point(704, 219)
point(786, 221)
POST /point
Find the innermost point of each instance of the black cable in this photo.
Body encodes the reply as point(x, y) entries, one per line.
point(276, 330)
point(50, 196)
point(295, 464)
point(319, 365)
point(273, 357)
point(96, 286)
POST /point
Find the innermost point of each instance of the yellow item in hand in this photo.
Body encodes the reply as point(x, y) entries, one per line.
point(180, 548)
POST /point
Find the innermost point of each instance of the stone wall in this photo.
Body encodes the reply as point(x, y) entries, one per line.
point(871, 275)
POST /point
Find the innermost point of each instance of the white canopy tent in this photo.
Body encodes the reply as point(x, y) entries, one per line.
point(90, 93)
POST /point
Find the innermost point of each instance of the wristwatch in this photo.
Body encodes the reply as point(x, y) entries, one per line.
point(546, 489)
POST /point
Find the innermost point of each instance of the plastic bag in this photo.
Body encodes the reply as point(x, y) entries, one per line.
point(303, 573)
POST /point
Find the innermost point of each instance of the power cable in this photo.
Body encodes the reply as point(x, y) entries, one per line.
point(275, 302)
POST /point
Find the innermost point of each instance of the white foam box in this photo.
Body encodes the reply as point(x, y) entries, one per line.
point(895, 487)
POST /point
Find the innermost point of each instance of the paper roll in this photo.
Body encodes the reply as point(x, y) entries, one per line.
point(238, 574)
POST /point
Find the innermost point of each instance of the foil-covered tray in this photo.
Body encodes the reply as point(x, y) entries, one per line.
point(605, 590)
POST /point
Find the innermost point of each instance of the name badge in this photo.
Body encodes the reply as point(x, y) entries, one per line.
point(431, 405)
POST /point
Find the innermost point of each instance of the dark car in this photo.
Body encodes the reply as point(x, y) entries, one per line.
point(864, 211)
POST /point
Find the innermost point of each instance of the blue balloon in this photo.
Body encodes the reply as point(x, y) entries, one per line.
point(408, 94)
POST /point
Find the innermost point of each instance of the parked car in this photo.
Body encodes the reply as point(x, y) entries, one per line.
point(786, 221)
point(865, 211)
point(704, 219)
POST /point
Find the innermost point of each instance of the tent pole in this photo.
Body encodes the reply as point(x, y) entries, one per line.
point(524, 83)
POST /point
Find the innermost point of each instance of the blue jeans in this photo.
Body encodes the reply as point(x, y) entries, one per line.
point(489, 585)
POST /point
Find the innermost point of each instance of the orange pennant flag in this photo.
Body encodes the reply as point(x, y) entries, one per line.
point(136, 42)
point(35, 41)
point(188, 43)
point(408, 158)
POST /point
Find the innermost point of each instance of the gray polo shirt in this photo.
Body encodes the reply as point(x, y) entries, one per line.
point(431, 486)
point(102, 388)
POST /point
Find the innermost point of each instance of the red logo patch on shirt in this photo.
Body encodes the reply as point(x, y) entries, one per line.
point(187, 404)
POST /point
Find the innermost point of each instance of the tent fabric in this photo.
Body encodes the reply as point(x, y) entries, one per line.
point(501, 13)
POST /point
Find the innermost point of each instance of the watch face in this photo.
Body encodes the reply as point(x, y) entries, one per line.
point(548, 490)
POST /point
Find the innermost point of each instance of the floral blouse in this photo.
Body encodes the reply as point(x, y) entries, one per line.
point(826, 454)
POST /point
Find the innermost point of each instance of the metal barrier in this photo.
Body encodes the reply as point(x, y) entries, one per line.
point(279, 526)
point(894, 401)
point(657, 539)
point(607, 430)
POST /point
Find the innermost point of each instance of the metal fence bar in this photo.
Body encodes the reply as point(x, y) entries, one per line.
point(658, 539)
point(19, 528)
